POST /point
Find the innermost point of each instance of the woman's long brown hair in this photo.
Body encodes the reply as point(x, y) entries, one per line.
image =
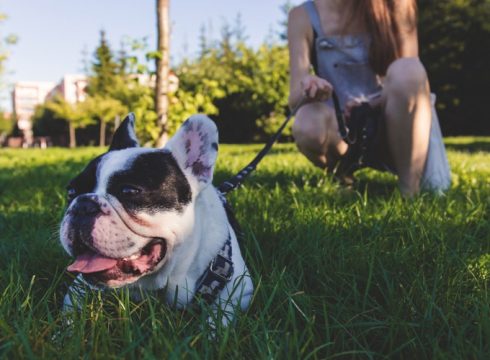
point(385, 21)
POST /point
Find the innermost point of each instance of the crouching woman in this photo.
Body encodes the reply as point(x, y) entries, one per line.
point(365, 51)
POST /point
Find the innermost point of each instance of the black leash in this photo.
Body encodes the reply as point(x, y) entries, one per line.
point(237, 180)
point(343, 130)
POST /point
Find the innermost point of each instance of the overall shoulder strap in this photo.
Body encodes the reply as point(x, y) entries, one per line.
point(312, 11)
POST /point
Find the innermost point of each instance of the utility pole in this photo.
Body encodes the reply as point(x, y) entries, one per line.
point(162, 69)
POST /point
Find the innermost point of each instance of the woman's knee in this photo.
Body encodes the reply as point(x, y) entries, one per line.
point(310, 126)
point(406, 77)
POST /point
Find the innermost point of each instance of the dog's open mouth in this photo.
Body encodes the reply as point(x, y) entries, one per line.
point(99, 269)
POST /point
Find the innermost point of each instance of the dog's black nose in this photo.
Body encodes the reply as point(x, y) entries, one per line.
point(86, 205)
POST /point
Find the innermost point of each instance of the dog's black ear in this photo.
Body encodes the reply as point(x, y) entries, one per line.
point(125, 136)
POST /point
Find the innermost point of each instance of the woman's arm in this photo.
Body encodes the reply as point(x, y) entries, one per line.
point(405, 13)
point(300, 42)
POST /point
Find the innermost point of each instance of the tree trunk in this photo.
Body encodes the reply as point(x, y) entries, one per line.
point(102, 133)
point(162, 69)
point(73, 139)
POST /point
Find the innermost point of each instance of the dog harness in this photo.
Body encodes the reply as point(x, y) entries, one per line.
point(217, 274)
point(220, 269)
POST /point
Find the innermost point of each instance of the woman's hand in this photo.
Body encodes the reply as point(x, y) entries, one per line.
point(315, 88)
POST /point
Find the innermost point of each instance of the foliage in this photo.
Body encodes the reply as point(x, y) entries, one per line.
point(131, 85)
point(6, 124)
point(106, 110)
point(283, 24)
point(73, 113)
point(103, 108)
point(248, 87)
point(56, 116)
point(338, 274)
point(184, 103)
point(47, 123)
point(244, 89)
point(138, 98)
point(104, 69)
point(133, 88)
point(454, 37)
point(115, 87)
point(5, 41)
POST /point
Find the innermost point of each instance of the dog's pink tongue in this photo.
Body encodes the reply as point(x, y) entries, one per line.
point(91, 262)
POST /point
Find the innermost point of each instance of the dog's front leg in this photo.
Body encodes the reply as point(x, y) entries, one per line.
point(72, 302)
point(75, 296)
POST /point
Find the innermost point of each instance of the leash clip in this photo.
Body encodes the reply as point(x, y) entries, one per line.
point(213, 270)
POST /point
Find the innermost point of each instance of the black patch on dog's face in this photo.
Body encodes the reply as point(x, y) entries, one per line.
point(85, 181)
point(157, 181)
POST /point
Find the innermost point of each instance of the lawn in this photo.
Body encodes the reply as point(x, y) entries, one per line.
point(339, 273)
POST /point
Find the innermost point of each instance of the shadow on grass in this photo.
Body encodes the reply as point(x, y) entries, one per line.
point(264, 179)
point(21, 184)
point(471, 147)
point(254, 149)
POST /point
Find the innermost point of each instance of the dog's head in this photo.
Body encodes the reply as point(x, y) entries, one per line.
point(131, 206)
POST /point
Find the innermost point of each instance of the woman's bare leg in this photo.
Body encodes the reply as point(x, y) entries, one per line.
point(407, 108)
point(315, 131)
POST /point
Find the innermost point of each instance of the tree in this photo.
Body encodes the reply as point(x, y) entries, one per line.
point(46, 123)
point(203, 41)
point(103, 70)
point(283, 32)
point(73, 114)
point(133, 88)
point(5, 42)
point(162, 69)
point(454, 38)
point(130, 88)
point(6, 125)
point(245, 88)
point(105, 109)
point(106, 75)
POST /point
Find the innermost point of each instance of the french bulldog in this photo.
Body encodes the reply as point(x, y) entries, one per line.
point(150, 219)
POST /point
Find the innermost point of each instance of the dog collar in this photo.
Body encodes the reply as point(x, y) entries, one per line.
point(217, 274)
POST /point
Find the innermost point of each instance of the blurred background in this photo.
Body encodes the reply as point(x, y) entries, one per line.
point(70, 71)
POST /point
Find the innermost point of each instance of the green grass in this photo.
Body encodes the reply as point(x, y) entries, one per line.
point(338, 273)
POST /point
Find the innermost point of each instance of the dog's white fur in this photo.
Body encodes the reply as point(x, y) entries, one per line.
point(194, 235)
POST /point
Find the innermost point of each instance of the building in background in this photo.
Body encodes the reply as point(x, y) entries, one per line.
point(72, 88)
point(26, 95)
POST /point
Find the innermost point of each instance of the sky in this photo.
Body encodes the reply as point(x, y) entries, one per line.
point(54, 34)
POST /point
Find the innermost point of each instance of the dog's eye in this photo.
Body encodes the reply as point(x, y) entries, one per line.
point(130, 190)
point(71, 193)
